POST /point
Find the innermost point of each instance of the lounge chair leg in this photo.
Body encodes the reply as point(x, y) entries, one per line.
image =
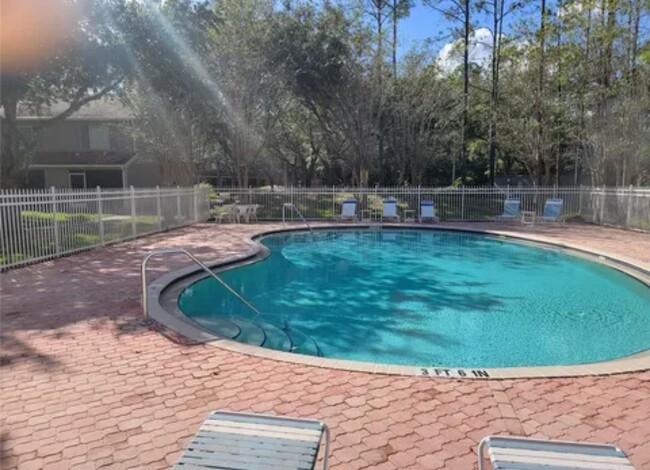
point(327, 446)
point(481, 453)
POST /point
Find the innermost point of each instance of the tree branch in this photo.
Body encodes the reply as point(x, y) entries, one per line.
point(78, 102)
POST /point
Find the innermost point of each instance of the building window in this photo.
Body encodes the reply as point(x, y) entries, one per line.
point(84, 129)
point(77, 180)
point(113, 137)
point(27, 137)
point(99, 137)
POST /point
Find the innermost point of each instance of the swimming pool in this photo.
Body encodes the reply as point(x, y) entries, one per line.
point(425, 297)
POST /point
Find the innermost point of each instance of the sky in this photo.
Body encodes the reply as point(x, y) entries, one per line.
point(426, 25)
point(422, 24)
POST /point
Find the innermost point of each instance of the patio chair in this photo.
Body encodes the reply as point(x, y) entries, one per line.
point(226, 214)
point(428, 211)
point(246, 441)
point(348, 210)
point(552, 211)
point(389, 209)
point(511, 209)
point(250, 213)
point(517, 453)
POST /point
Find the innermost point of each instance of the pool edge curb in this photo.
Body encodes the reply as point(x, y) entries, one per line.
point(184, 326)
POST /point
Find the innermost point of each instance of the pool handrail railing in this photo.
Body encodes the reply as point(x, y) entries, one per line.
point(160, 251)
point(291, 206)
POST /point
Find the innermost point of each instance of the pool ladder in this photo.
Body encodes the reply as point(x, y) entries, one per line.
point(292, 207)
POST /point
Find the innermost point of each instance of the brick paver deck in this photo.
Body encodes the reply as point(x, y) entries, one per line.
point(86, 385)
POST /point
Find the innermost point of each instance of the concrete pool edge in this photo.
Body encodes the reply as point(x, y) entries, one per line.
point(182, 325)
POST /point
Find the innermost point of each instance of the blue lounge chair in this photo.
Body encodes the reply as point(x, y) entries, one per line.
point(348, 210)
point(389, 210)
point(428, 211)
point(511, 209)
point(552, 211)
point(519, 453)
point(245, 441)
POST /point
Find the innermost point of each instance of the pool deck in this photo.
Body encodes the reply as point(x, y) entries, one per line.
point(86, 385)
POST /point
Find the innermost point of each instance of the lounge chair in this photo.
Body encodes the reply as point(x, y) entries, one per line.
point(348, 210)
point(246, 441)
point(428, 211)
point(511, 209)
point(518, 453)
point(389, 210)
point(552, 211)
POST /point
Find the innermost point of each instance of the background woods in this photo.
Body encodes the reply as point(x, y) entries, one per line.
point(311, 93)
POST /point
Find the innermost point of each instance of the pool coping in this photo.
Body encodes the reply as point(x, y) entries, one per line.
point(184, 326)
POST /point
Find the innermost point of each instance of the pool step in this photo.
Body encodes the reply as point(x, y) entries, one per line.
point(303, 344)
point(250, 333)
point(275, 337)
point(262, 333)
point(219, 326)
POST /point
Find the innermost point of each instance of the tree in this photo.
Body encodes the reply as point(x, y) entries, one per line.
point(460, 12)
point(399, 9)
point(83, 62)
point(499, 10)
point(424, 109)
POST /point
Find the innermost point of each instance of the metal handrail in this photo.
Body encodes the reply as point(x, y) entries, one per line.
point(291, 205)
point(143, 269)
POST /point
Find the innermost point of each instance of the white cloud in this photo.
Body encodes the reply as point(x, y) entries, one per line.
point(576, 9)
point(480, 51)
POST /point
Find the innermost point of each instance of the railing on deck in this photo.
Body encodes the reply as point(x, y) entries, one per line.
point(629, 207)
point(36, 225)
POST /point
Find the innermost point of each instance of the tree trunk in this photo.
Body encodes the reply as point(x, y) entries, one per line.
point(540, 89)
point(465, 93)
point(11, 172)
point(394, 39)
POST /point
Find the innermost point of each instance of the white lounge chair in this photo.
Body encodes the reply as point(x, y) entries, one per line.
point(552, 211)
point(519, 453)
point(428, 211)
point(348, 210)
point(247, 441)
point(389, 210)
point(511, 209)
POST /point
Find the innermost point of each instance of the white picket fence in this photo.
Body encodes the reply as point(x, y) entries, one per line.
point(37, 225)
point(628, 207)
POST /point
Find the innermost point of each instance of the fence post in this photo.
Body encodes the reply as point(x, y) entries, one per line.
point(158, 208)
point(100, 214)
point(196, 203)
point(602, 205)
point(462, 203)
point(580, 201)
point(57, 242)
point(629, 207)
point(417, 210)
point(134, 226)
point(178, 204)
point(291, 200)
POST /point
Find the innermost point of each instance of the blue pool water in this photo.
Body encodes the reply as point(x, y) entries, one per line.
point(423, 297)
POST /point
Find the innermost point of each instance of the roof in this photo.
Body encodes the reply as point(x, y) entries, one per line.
point(83, 158)
point(105, 109)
